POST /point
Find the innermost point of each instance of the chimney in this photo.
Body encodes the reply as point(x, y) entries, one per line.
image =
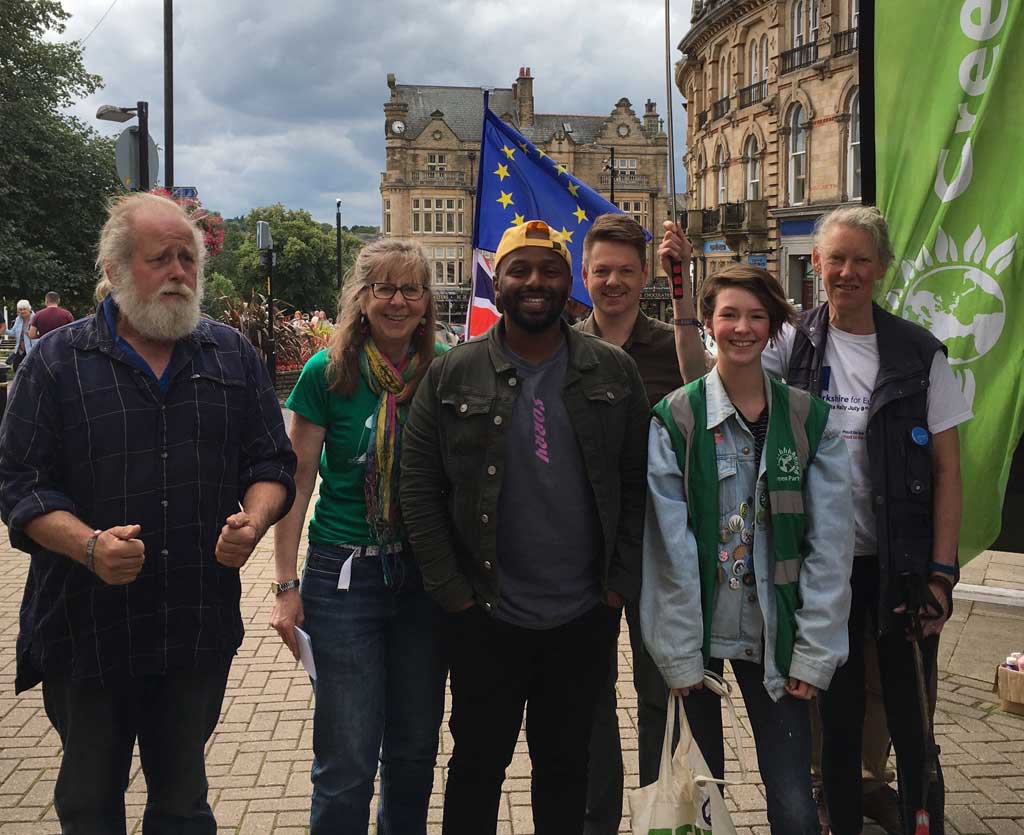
point(524, 97)
point(650, 118)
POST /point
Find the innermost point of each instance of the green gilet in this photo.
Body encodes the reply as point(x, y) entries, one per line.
point(795, 426)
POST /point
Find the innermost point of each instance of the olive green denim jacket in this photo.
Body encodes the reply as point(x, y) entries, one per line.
point(453, 454)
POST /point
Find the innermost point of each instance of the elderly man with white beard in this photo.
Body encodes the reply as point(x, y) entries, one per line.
point(142, 457)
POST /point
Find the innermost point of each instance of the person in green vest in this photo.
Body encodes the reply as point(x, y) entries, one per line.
point(748, 544)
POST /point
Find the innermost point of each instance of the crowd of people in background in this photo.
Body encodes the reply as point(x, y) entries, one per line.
point(486, 512)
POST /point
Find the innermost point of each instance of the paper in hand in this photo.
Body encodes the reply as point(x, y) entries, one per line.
point(306, 653)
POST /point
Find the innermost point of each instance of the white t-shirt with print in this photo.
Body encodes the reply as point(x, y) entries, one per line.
point(848, 375)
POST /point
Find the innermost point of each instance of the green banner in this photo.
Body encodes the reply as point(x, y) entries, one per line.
point(949, 116)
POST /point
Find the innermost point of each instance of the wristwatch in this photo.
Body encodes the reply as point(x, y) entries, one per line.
point(287, 585)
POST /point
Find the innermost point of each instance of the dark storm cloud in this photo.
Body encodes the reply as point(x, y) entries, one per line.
point(279, 102)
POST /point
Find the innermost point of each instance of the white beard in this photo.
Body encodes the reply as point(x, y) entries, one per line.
point(156, 317)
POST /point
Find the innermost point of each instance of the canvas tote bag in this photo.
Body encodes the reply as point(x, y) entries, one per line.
point(685, 800)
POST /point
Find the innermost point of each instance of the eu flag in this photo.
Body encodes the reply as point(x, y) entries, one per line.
point(519, 182)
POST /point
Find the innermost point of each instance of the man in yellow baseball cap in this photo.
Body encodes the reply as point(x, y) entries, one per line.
point(523, 489)
point(532, 281)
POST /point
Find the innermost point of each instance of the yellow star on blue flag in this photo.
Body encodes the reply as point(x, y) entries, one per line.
point(543, 190)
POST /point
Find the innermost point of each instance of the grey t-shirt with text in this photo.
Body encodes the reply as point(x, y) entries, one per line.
point(548, 533)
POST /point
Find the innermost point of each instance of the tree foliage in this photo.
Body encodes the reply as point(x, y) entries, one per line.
point(56, 173)
point(305, 275)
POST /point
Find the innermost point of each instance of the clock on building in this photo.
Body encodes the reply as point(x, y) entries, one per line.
point(398, 126)
point(623, 131)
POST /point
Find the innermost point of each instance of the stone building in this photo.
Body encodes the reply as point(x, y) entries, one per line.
point(432, 137)
point(773, 133)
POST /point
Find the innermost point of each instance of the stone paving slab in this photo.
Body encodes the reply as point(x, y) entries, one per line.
point(260, 756)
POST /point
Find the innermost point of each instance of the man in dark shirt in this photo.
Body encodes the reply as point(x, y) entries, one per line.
point(50, 317)
point(142, 457)
point(615, 272)
point(523, 464)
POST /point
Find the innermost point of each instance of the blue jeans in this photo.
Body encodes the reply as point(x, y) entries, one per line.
point(782, 738)
point(379, 692)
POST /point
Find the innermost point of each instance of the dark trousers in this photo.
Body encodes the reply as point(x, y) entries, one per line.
point(605, 784)
point(842, 712)
point(497, 670)
point(172, 716)
point(782, 739)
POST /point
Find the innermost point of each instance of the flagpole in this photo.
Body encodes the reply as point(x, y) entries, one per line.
point(474, 249)
point(866, 69)
point(480, 174)
point(676, 276)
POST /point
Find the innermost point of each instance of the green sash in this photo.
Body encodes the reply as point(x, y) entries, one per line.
point(795, 426)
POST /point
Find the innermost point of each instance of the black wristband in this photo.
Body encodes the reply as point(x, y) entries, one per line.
point(683, 322)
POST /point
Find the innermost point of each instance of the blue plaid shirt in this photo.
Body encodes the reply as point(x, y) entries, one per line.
point(89, 431)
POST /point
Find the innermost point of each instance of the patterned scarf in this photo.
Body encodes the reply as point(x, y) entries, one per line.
point(393, 385)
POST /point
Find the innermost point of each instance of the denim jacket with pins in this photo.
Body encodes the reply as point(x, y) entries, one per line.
point(744, 620)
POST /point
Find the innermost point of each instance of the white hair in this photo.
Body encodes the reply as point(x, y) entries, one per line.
point(117, 236)
point(24, 304)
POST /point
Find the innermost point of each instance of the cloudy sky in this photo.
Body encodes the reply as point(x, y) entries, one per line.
point(283, 102)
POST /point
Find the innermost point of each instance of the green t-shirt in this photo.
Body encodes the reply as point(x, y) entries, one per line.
point(340, 513)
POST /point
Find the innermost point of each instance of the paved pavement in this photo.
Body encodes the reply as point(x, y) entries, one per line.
point(259, 757)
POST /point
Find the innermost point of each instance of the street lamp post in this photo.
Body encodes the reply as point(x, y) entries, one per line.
point(110, 113)
point(142, 109)
point(169, 95)
point(337, 223)
point(265, 246)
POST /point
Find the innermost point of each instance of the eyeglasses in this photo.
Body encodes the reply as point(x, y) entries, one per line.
point(386, 290)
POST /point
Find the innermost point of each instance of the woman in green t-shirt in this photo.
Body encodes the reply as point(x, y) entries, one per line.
point(374, 632)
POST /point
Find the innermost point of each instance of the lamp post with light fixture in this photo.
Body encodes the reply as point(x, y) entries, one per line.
point(337, 224)
point(110, 113)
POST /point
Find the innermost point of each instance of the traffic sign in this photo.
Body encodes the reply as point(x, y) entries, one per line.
point(126, 155)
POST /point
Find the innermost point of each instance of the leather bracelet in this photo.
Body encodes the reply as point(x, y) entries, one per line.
point(682, 322)
point(90, 550)
point(942, 568)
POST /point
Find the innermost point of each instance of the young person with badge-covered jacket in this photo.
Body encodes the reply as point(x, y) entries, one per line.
point(890, 383)
point(523, 491)
point(747, 544)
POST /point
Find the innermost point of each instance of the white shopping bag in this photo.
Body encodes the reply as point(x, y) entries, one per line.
point(685, 800)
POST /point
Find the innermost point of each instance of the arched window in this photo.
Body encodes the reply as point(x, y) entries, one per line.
point(853, 149)
point(723, 75)
point(814, 20)
point(722, 176)
point(798, 24)
point(753, 170)
point(755, 64)
point(797, 158)
point(699, 181)
point(764, 57)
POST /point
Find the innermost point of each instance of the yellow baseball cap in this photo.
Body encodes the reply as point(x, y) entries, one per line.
point(532, 233)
